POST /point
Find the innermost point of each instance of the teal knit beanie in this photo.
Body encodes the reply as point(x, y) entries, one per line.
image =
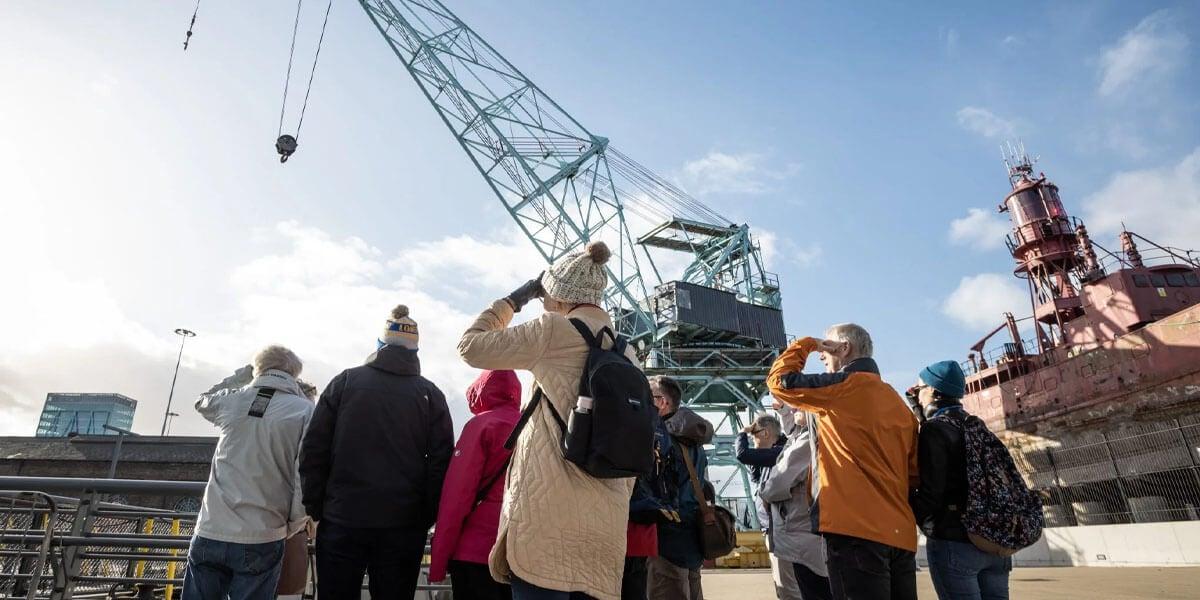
point(946, 377)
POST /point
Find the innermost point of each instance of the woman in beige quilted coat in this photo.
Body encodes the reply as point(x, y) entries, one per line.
point(561, 530)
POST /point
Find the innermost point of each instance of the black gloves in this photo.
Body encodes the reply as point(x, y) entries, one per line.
point(528, 291)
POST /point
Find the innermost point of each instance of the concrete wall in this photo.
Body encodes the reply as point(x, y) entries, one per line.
point(1140, 544)
point(1173, 544)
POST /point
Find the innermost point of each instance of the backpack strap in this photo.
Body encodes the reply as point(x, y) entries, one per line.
point(258, 407)
point(487, 486)
point(588, 337)
point(709, 516)
point(538, 396)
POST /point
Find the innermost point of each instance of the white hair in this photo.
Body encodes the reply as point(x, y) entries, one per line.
point(277, 357)
point(854, 335)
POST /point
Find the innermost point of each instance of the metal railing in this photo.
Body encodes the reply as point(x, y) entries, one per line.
point(79, 546)
point(1150, 475)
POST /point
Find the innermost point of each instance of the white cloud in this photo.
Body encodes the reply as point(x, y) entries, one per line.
point(721, 173)
point(460, 263)
point(1012, 41)
point(1161, 203)
point(985, 122)
point(323, 297)
point(980, 300)
point(777, 250)
point(1152, 49)
point(980, 229)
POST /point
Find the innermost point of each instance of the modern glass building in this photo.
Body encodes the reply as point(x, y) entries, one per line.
point(85, 414)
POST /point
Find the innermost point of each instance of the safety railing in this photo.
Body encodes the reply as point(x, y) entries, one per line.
point(76, 545)
point(1148, 476)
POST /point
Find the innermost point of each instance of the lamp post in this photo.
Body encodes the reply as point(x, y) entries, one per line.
point(184, 334)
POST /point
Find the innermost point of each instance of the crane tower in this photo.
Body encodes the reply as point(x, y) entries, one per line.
point(716, 327)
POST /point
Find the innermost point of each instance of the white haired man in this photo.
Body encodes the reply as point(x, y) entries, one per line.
point(865, 463)
point(252, 500)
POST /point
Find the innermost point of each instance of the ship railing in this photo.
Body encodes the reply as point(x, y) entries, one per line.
point(1152, 254)
point(1151, 474)
point(78, 545)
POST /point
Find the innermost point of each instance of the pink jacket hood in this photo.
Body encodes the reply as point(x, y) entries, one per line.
point(492, 390)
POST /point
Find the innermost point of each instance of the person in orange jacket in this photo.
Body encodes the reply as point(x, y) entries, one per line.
point(866, 463)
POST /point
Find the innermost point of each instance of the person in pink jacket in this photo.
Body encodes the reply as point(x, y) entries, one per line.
point(469, 510)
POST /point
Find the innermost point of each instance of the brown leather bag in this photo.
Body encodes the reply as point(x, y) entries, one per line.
point(293, 575)
point(718, 534)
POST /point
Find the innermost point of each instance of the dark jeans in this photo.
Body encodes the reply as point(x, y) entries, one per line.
point(864, 570)
point(474, 580)
point(812, 586)
point(960, 571)
point(391, 556)
point(523, 590)
point(216, 570)
point(633, 582)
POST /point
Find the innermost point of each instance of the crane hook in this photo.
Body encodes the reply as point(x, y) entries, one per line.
point(285, 146)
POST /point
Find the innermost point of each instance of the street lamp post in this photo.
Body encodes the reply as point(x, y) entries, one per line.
point(184, 334)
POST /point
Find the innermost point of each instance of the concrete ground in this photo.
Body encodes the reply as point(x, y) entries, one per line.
point(1053, 583)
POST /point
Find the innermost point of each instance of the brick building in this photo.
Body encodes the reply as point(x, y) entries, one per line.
point(173, 458)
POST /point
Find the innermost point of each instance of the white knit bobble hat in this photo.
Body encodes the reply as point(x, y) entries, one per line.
point(579, 278)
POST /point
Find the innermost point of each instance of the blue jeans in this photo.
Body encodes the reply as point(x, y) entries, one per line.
point(218, 570)
point(960, 571)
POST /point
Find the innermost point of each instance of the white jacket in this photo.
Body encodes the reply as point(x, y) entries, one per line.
point(790, 534)
point(253, 492)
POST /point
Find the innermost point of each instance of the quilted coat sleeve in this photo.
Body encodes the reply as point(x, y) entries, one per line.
point(491, 344)
point(458, 496)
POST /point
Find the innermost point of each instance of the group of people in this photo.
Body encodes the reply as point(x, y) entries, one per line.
point(849, 471)
point(373, 466)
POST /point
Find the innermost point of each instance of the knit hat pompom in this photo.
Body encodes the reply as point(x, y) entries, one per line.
point(598, 251)
point(400, 311)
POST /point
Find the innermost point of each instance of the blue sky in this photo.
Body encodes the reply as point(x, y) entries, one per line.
point(141, 192)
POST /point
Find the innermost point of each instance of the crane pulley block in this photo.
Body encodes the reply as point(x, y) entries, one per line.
point(285, 146)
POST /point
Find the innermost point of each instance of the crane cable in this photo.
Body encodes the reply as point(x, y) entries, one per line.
point(191, 25)
point(286, 144)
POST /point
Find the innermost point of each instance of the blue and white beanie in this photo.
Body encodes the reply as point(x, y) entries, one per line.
point(400, 330)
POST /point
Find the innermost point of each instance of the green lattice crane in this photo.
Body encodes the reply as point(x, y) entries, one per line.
point(565, 186)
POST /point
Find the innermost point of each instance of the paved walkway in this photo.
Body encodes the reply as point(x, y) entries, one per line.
point(1062, 583)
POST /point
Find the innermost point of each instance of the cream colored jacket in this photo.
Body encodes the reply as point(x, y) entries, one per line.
point(560, 528)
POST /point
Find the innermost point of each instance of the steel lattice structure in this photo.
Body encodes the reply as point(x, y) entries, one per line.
point(565, 186)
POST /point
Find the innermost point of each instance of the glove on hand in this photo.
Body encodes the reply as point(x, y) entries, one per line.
point(528, 291)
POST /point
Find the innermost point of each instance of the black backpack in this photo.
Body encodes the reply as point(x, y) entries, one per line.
point(616, 437)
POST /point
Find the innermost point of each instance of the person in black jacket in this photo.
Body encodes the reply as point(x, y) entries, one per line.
point(958, 569)
point(371, 467)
